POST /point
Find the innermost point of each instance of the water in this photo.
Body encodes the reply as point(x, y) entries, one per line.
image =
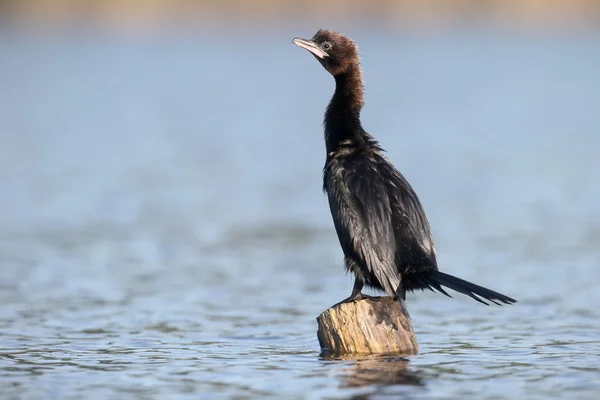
point(163, 233)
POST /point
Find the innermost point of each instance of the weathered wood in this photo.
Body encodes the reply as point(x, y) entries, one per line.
point(367, 327)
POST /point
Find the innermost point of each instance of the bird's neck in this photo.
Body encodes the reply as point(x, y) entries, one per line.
point(342, 118)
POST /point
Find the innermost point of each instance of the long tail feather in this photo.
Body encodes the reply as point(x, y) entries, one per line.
point(434, 279)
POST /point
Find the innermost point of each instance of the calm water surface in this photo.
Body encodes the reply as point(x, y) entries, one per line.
point(163, 233)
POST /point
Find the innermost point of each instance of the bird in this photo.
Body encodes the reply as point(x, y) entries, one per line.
point(380, 222)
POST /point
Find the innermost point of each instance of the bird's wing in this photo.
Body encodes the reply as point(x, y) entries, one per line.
point(362, 217)
point(414, 243)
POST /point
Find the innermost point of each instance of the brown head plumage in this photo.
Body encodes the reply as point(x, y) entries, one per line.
point(336, 52)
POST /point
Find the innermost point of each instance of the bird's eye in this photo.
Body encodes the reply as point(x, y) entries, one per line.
point(326, 46)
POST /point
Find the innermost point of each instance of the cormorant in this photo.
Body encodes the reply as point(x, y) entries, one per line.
point(380, 222)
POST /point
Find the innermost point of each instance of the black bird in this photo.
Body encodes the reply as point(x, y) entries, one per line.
point(379, 220)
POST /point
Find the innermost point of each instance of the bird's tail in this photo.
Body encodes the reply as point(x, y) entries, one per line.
point(436, 279)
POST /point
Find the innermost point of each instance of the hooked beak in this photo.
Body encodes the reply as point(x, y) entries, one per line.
point(312, 47)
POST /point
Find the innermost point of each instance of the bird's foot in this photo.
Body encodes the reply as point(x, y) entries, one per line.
point(400, 294)
point(362, 296)
point(399, 299)
point(358, 297)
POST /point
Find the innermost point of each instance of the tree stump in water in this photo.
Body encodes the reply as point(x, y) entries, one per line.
point(367, 327)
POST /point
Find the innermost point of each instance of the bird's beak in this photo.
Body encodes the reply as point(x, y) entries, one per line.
point(311, 46)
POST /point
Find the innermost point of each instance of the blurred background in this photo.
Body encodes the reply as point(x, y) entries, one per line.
point(162, 227)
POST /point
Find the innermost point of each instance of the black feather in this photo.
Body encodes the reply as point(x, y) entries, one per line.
point(470, 289)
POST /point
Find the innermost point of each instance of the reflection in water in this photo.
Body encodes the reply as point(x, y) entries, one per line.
point(377, 370)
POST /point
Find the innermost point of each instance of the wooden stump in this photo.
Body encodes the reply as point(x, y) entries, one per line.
point(367, 327)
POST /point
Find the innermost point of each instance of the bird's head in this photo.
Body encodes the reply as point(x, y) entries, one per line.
point(336, 52)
